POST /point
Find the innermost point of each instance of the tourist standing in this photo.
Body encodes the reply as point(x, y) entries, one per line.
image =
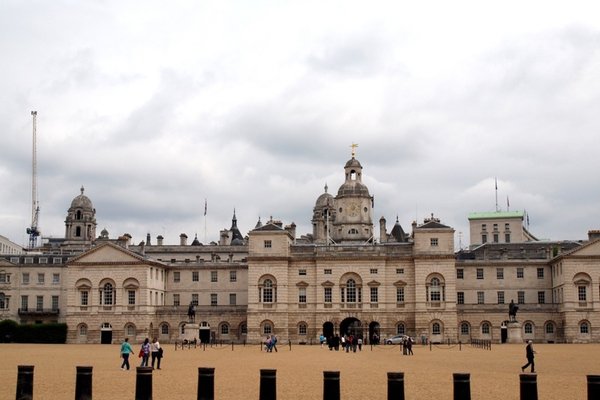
point(359, 344)
point(155, 350)
point(126, 350)
point(145, 352)
point(409, 343)
point(529, 353)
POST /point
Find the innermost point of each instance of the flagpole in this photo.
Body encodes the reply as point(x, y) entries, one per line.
point(205, 204)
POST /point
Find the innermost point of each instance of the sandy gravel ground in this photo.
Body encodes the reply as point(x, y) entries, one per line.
point(562, 371)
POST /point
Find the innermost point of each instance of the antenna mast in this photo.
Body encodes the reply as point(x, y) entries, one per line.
point(35, 208)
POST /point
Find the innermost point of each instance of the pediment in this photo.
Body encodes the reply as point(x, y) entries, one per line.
point(399, 283)
point(5, 263)
point(108, 253)
point(589, 249)
point(373, 284)
point(328, 284)
point(302, 284)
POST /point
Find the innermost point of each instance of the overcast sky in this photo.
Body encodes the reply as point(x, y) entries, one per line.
point(156, 106)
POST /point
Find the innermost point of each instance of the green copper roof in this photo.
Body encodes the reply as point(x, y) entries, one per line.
point(496, 215)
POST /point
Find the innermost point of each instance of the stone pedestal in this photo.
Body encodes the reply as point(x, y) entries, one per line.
point(190, 332)
point(514, 332)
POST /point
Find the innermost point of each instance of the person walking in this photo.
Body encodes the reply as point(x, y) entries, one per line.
point(126, 350)
point(145, 352)
point(409, 343)
point(155, 350)
point(529, 353)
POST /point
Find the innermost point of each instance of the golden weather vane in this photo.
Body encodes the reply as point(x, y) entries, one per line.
point(354, 146)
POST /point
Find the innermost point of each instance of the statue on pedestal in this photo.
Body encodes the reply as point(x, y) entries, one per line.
point(191, 312)
point(512, 311)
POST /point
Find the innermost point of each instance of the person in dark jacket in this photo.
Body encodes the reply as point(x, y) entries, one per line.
point(529, 353)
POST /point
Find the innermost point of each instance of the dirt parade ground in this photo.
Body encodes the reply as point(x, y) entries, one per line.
point(561, 369)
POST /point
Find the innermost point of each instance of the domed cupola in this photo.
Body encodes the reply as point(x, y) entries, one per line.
point(236, 236)
point(80, 223)
point(323, 215)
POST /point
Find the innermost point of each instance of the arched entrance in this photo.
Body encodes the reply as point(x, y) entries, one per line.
point(105, 333)
point(374, 332)
point(351, 326)
point(328, 329)
point(204, 332)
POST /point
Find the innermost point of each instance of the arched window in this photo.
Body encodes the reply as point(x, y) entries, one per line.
point(164, 329)
point(267, 291)
point(83, 330)
point(485, 328)
point(528, 327)
point(351, 291)
point(550, 328)
point(267, 328)
point(107, 294)
point(224, 329)
point(435, 290)
point(464, 328)
point(78, 231)
point(302, 329)
point(400, 329)
point(584, 328)
point(130, 330)
point(243, 329)
point(436, 328)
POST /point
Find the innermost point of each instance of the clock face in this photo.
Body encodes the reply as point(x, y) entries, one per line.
point(353, 209)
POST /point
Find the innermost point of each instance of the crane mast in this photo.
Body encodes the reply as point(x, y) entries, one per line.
point(33, 230)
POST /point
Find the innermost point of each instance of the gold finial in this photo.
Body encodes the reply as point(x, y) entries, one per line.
point(354, 146)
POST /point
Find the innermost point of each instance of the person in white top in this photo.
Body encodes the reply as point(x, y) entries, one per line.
point(156, 353)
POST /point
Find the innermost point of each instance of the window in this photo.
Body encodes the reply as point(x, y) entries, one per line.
point(584, 328)
point(54, 303)
point(213, 276)
point(131, 297)
point(28, 260)
point(24, 303)
point(267, 244)
point(39, 303)
point(244, 329)
point(582, 293)
point(483, 238)
point(195, 276)
point(480, 297)
point(541, 297)
point(267, 329)
point(400, 295)
point(327, 295)
point(4, 301)
point(550, 328)
point(485, 328)
point(433, 242)
point(232, 299)
point(400, 329)
point(4, 277)
point(57, 260)
point(55, 279)
point(464, 328)
point(499, 273)
point(460, 297)
point(507, 227)
point(41, 279)
point(267, 291)
point(195, 299)
point(327, 271)
point(373, 271)
point(82, 330)
point(507, 237)
point(495, 227)
point(479, 273)
point(500, 297)
point(374, 295)
point(302, 272)
point(302, 295)
point(176, 276)
point(540, 273)
point(302, 328)
point(351, 291)
point(528, 328)
point(232, 276)
point(224, 329)
point(496, 238)
point(399, 271)
point(176, 300)
point(164, 329)
point(84, 296)
point(436, 328)
point(107, 295)
point(435, 290)
point(130, 330)
point(460, 273)
point(484, 227)
point(520, 272)
point(25, 278)
point(520, 297)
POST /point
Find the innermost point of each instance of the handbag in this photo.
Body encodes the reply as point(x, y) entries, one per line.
point(141, 353)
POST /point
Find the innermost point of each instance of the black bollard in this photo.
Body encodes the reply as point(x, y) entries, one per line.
point(143, 383)
point(331, 385)
point(268, 384)
point(206, 383)
point(395, 386)
point(593, 387)
point(24, 382)
point(462, 386)
point(528, 386)
point(83, 383)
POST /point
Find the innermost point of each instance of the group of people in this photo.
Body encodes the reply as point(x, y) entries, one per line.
point(347, 342)
point(271, 344)
point(146, 351)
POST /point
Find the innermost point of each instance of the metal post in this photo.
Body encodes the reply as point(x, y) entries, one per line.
point(83, 383)
point(268, 384)
point(331, 385)
point(143, 383)
point(24, 382)
point(395, 386)
point(528, 386)
point(593, 386)
point(462, 386)
point(206, 383)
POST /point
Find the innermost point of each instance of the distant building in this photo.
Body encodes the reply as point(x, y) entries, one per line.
point(8, 247)
point(338, 279)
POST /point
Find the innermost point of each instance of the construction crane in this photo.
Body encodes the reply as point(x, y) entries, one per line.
point(33, 230)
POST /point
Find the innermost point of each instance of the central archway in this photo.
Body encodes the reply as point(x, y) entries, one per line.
point(328, 330)
point(351, 326)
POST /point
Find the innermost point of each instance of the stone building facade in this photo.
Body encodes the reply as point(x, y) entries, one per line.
point(341, 278)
